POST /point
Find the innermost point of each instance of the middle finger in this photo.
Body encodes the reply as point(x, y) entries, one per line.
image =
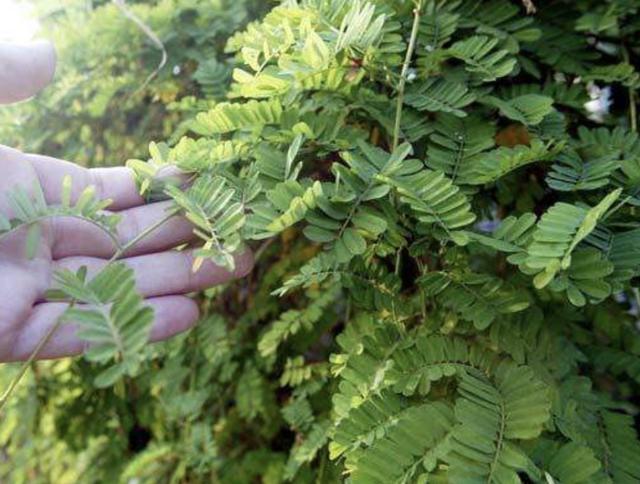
point(75, 237)
point(167, 273)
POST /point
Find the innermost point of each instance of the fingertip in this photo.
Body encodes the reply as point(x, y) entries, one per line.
point(27, 69)
point(173, 315)
point(48, 56)
point(244, 264)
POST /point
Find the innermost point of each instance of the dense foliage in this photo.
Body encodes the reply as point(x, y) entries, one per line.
point(448, 251)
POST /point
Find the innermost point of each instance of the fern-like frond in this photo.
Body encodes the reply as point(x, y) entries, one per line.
point(558, 233)
point(513, 236)
point(293, 321)
point(616, 361)
point(367, 423)
point(191, 155)
point(249, 116)
point(317, 270)
point(295, 372)
point(307, 448)
point(492, 418)
point(364, 370)
point(498, 405)
point(217, 218)
point(571, 172)
point(438, 23)
point(623, 73)
point(564, 94)
point(492, 165)
point(298, 413)
point(622, 447)
point(110, 316)
point(287, 203)
point(617, 143)
point(502, 19)
point(373, 286)
point(213, 76)
point(624, 253)
point(437, 94)
point(456, 143)
point(434, 200)
point(414, 441)
point(347, 217)
point(28, 209)
point(528, 109)
point(483, 57)
point(570, 463)
point(479, 298)
point(251, 392)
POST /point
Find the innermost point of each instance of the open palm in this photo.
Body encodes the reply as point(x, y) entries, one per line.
point(163, 276)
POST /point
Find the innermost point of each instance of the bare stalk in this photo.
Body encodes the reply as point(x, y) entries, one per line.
point(405, 71)
point(127, 12)
point(142, 235)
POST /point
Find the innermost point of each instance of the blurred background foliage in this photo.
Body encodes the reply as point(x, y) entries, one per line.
point(109, 97)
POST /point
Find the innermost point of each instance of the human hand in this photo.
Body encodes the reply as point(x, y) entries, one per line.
point(163, 276)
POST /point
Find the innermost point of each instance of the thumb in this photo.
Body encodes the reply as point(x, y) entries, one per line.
point(25, 69)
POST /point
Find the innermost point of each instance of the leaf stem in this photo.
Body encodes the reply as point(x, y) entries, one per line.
point(151, 35)
point(42, 218)
point(633, 115)
point(616, 207)
point(404, 72)
point(145, 233)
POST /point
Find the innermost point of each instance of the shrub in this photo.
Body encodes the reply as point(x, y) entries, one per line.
point(452, 238)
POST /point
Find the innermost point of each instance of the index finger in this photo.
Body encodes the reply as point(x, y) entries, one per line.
point(116, 183)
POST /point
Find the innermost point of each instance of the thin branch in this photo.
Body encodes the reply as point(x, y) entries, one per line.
point(127, 12)
point(404, 72)
point(145, 233)
point(633, 116)
point(34, 354)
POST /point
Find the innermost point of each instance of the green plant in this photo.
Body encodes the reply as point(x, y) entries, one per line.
point(453, 241)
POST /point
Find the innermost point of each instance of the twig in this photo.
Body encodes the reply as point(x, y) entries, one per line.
point(145, 233)
point(404, 72)
point(632, 110)
point(127, 12)
point(633, 116)
point(616, 207)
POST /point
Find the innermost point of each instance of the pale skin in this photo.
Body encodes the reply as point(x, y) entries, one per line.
point(163, 276)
